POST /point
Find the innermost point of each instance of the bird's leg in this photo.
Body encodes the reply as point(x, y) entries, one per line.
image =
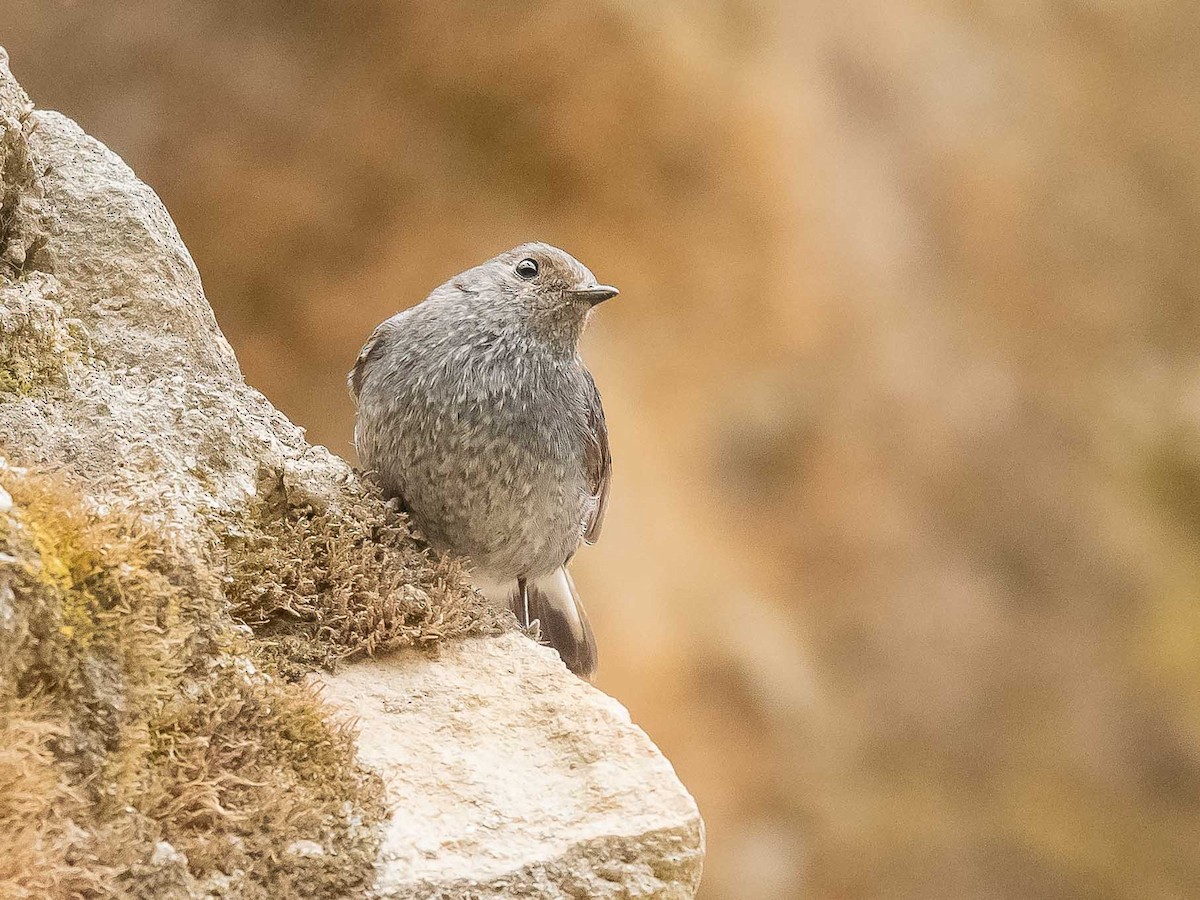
point(531, 624)
point(523, 588)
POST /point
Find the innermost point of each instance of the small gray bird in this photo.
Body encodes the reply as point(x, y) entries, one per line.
point(477, 412)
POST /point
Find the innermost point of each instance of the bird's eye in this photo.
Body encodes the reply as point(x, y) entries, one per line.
point(527, 268)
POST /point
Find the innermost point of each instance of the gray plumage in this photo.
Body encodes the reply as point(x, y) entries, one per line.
point(476, 410)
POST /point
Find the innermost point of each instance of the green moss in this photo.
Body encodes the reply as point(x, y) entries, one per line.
point(22, 382)
point(132, 712)
point(11, 384)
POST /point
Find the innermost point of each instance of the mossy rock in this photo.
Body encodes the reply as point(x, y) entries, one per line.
point(321, 585)
point(146, 750)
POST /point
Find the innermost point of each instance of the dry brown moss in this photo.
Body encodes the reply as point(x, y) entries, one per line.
point(41, 857)
point(319, 585)
point(131, 715)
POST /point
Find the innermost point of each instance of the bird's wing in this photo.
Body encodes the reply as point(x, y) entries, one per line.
point(597, 462)
point(369, 351)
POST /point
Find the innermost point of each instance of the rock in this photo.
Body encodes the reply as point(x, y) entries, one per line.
point(509, 776)
point(305, 848)
point(142, 381)
point(164, 854)
point(509, 781)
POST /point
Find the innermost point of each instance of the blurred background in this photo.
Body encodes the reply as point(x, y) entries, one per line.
point(902, 565)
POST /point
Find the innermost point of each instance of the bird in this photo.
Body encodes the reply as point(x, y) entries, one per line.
point(475, 411)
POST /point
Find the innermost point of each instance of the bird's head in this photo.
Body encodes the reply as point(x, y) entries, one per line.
point(545, 287)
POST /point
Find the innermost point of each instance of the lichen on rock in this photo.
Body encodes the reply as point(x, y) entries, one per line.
point(23, 241)
point(37, 343)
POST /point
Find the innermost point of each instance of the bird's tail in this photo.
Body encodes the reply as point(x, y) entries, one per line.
point(553, 602)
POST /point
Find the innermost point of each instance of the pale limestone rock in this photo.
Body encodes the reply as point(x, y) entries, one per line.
point(509, 780)
point(149, 404)
point(510, 777)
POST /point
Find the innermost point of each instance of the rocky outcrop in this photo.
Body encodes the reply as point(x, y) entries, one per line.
point(527, 785)
point(505, 775)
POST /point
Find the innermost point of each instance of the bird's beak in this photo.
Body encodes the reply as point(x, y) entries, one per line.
point(594, 295)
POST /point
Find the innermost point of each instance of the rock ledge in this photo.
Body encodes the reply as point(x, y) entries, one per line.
point(512, 782)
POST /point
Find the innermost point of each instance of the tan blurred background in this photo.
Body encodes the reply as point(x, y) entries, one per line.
point(902, 567)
